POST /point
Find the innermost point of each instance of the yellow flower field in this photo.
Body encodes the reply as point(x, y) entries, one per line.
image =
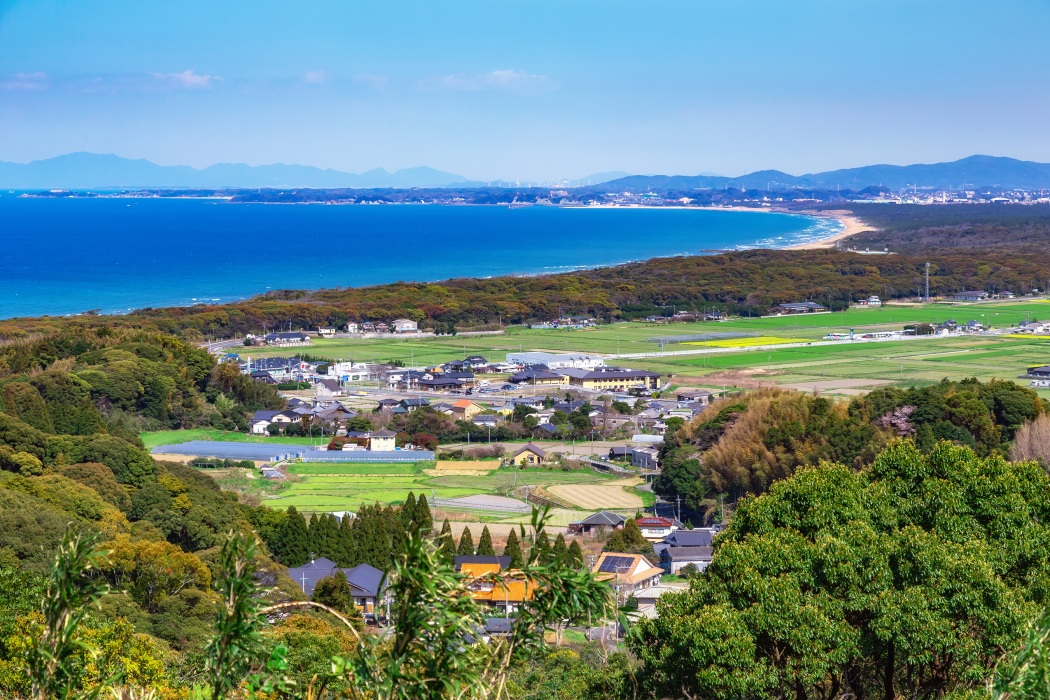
point(745, 342)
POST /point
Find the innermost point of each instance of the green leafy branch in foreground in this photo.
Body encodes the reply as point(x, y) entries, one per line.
point(1027, 673)
point(434, 652)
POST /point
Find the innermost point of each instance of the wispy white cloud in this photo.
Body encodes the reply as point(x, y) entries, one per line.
point(187, 79)
point(316, 77)
point(516, 81)
point(26, 81)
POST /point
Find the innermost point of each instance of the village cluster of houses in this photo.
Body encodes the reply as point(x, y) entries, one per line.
point(627, 574)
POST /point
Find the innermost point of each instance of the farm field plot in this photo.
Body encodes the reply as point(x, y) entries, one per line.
point(639, 337)
point(356, 468)
point(175, 437)
point(861, 366)
point(745, 342)
point(314, 487)
point(612, 494)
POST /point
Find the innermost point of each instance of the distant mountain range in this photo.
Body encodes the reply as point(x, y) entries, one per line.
point(972, 172)
point(96, 171)
point(87, 171)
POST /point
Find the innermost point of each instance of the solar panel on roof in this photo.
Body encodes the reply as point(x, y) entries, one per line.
point(616, 565)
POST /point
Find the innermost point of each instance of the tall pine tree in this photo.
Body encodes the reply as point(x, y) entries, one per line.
point(424, 518)
point(575, 555)
point(560, 552)
point(485, 543)
point(466, 542)
point(293, 540)
point(446, 543)
point(513, 550)
point(543, 549)
point(408, 511)
point(346, 552)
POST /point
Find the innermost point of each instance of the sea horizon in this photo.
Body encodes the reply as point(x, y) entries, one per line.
point(116, 255)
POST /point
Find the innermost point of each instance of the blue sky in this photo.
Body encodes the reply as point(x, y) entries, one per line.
point(536, 90)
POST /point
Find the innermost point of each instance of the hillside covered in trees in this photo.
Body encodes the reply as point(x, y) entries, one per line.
point(747, 283)
point(741, 446)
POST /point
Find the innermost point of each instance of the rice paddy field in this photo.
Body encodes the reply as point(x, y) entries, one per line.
point(327, 487)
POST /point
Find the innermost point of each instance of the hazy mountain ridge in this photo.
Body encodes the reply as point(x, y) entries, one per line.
point(97, 171)
point(972, 172)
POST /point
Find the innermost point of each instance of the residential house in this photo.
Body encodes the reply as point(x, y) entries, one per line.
point(656, 528)
point(282, 340)
point(970, 296)
point(870, 301)
point(404, 325)
point(326, 332)
point(366, 582)
point(328, 388)
point(602, 521)
point(702, 396)
point(486, 420)
point(412, 404)
point(352, 327)
point(465, 409)
point(528, 455)
point(382, 441)
point(683, 547)
point(626, 573)
point(802, 307)
point(262, 420)
point(507, 595)
point(536, 377)
point(382, 328)
point(440, 384)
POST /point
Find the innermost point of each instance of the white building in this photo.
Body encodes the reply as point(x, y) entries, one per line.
point(349, 371)
point(351, 327)
point(556, 360)
point(405, 325)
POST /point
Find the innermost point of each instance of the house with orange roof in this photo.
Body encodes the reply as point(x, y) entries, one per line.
point(506, 594)
point(465, 409)
point(626, 573)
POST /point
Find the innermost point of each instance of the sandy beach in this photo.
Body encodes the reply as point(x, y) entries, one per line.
point(852, 225)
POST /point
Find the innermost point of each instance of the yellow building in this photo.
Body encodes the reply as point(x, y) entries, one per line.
point(528, 455)
point(465, 409)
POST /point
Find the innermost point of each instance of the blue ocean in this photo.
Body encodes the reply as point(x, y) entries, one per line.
point(70, 255)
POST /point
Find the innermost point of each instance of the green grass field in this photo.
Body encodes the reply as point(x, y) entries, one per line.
point(325, 487)
point(850, 368)
point(174, 437)
point(637, 337)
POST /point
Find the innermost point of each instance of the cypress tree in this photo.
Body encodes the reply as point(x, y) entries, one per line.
point(408, 511)
point(294, 539)
point(394, 535)
point(560, 552)
point(447, 546)
point(346, 553)
point(485, 543)
point(513, 550)
point(575, 555)
point(466, 542)
point(424, 518)
point(543, 549)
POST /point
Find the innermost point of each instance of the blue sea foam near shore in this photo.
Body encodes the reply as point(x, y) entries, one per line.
point(70, 255)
